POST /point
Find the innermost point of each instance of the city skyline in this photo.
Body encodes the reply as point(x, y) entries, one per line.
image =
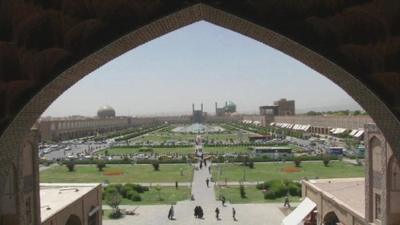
point(200, 63)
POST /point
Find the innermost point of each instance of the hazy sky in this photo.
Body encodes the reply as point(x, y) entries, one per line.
point(200, 63)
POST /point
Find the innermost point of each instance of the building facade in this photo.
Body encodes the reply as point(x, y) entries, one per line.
point(57, 129)
point(285, 107)
point(372, 200)
point(70, 204)
point(198, 116)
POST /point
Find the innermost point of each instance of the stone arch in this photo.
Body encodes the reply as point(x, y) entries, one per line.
point(73, 220)
point(331, 218)
point(27, 115)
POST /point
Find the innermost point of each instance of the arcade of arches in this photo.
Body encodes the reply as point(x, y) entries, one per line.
point(47, 46)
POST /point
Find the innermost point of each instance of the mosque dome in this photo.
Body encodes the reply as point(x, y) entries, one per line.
point(105, 112)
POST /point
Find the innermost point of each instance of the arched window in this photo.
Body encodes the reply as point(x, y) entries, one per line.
point(376, 154)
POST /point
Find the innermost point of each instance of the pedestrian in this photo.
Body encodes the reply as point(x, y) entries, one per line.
point(205, 162)
point(208, 182)
point(176, 184)
point(286, 203)
point(209, 169)
point(234, 214)
point(217, 213)
point(201, 213)
point(171, 213)
point(223, 200)
point(196, 211)
point(201, 164)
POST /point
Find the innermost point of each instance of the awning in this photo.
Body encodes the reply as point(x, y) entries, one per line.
point(359, 133)
point(302, 210)
point(353, 132)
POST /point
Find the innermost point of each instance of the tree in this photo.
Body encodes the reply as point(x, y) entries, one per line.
point(326, 159)
point(113, 199)
point(297, 162)
point(156, 165)
point(70, 165)
point(242, 191)
point(100, 165)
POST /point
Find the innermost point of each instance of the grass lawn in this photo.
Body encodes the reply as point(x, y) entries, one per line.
point(253, 195)
point(161, 136)
point(169, 195)
point(122, 174)
point(180, 150)
point(269, 171)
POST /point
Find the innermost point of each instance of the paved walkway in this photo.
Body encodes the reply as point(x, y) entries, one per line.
point(246, 214)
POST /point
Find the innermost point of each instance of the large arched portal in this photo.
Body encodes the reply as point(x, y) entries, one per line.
point(46, 47)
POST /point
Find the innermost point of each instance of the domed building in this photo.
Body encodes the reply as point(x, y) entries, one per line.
point(106, 112)
point(229, 108)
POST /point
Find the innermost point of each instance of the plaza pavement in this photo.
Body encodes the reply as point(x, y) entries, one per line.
point(246, 214)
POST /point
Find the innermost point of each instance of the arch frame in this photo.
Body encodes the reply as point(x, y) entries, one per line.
point(19, 127)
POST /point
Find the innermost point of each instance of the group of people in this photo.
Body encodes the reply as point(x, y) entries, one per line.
point(199, 213)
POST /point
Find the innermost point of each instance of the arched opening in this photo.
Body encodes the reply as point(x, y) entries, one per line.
point(331, 219)
point(73, 220)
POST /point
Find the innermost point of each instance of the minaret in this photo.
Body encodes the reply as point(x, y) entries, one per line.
point(216, 107)
point(201, 107)
point(193, 107)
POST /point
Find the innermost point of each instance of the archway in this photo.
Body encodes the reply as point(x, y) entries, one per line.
point(73, 220)
point(26, 117)
point(331, 219)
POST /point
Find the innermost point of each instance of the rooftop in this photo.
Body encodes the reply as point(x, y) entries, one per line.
point(349, 192)
point(55, 197)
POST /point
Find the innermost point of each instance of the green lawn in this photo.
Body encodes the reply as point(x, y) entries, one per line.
point(162, 135)
point(181, 150)
point(269, 171)
point(253, 195)
point(169, 195)
point(131, 174)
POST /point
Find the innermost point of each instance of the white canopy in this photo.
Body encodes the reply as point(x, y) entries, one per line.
point(302, 210)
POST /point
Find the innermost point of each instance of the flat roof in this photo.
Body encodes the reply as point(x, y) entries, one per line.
point(349, 192)
point(55, 197)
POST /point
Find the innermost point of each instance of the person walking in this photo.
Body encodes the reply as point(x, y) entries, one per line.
point(234, 214)
point(208, 182)
point(205, 162)
point(196, 212)
point(223, 200)
point(201, 164)
point(171, 213)
point(209, 169)
point(286, 203)
point(217, 213)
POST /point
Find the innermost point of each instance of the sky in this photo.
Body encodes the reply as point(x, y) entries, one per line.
point(199, 63)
